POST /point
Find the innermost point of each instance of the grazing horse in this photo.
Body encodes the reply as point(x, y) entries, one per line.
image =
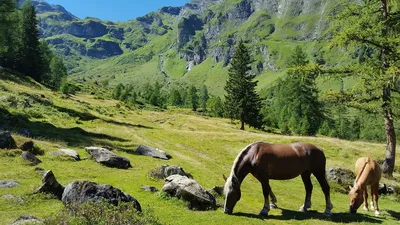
point(368, 172)
point(278, 162)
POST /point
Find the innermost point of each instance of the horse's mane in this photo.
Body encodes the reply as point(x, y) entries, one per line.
point(238, 159)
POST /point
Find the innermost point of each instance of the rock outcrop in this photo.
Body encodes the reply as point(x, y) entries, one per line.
point(166, 171)
point(108, 158)
point(31, 158)
point(189, 190)
point(152, 152)
point(50, 185)
point(79, 192)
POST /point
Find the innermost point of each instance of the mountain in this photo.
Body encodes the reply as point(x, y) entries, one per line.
point(193, 43)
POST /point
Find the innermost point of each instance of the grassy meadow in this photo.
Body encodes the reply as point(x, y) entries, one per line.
point(204, 147)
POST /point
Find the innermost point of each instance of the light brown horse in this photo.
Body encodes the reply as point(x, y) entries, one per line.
point(278, 162)
point(368, 172)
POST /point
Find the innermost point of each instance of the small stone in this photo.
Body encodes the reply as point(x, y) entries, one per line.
point(31, 158)
point(149, 188)
point(8, 184)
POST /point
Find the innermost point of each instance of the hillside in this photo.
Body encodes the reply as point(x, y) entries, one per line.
point(204, 147)
point(192, 43)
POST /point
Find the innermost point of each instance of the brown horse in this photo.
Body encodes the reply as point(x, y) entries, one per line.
point(368, 172)
point(278, 162)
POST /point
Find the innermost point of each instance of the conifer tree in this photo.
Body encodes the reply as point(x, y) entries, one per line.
point(204, 97)
point(9, 34)
point(294, 106)
point(242, 101)
point(194, 98)
point(375, 24)
point(31, 57)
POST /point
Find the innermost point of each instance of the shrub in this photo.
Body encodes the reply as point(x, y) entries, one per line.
point(103, 214)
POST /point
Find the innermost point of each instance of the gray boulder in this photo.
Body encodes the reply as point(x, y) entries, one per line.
point(50, 185)
point(108, 158)
point(189, 190)
point(152, 152)
point(8, 184)
point(79, 192)
point(388, 189)
point(166, 171)
point(31, 158)
point(7, 141)
point(342, 177)
point(28, 219)
point(67, 152)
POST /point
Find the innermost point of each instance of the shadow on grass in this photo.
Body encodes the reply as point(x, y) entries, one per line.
point(127, 124)
point(336, 217)
point(84, 116)
point(75, 136)
point(17, 78)
point(395, 215)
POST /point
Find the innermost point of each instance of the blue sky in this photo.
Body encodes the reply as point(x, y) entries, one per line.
point(115, 10)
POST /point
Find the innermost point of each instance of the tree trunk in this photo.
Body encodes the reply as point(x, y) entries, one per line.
point(242, 127)
point(388, 164)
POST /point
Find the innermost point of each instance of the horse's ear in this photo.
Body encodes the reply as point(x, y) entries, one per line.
point(223, 176)
point(350, 187)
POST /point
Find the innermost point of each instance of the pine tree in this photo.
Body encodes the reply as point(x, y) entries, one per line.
point(204, 97)
point(31, 58)
point(194, 98)
point(375, 24)
point(242, 101)
point(294, 106)
point(118, 91)
point(9, 34)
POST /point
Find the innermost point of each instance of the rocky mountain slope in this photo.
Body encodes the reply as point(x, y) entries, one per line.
point(192, 43)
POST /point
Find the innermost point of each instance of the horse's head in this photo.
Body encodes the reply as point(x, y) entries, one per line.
point(232, 193)
point(356, 198)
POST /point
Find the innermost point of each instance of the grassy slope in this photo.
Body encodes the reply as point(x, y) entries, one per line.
point(205, 147)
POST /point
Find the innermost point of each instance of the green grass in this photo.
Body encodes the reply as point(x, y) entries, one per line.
point(204, 147)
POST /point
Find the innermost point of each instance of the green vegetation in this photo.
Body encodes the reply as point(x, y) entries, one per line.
point(204, 147)
point(293, 105)
point(374, 30)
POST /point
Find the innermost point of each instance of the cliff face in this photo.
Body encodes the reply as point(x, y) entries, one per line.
point(189, 35)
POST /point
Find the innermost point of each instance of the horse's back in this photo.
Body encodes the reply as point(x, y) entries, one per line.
point(286, 161)
point(372, 169)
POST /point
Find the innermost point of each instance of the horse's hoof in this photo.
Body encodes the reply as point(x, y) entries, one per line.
point(377, 213)
point(328, 213)
point(303, 209)
point(273, 206)
point(365, 208)
point(263, 214)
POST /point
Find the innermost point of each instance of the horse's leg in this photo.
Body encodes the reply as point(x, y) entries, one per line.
point(375, 197)
point(372, 199)
point(273, 204)
point(306, 177)
point(266, 191)
point(365, 196)
point(326, 189)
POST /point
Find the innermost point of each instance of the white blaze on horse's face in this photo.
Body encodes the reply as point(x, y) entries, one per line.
point(232, 194)
point(356, 199)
